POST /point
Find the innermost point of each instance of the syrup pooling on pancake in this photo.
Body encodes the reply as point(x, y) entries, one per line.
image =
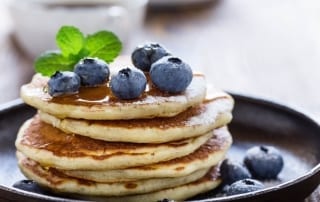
point(102, 94)
point(97, 102)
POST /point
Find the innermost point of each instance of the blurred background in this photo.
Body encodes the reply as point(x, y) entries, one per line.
point(266, 48)
point(263, 48)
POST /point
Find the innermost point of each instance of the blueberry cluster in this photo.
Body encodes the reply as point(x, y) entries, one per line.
point(91, 72)
point(260, 162)
point(87, 72)
point(168, 73)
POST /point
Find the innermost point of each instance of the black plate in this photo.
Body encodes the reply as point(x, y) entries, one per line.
point(256, 122)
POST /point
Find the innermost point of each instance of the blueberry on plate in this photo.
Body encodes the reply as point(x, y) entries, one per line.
point(165, 200)
point(28, 185)
point(232, 171)
point(264, 162)
point(63, 83)
point(244, 186)
point(129, 83)
point(171, 74)
point(145, 55)
point(92, 71)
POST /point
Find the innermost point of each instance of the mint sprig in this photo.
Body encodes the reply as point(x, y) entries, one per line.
point(52, 61)
point(74, 46)
point(70, 40)
point(103, 45)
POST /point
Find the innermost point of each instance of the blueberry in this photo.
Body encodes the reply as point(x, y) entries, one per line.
point(145, 55)
point(171, 74)
point(165, 200)
point(92, 71)
point(244, 186)
point(232, 171)
point(28, 185)
point(264, 162)
point(129, 83)
point(63, 83)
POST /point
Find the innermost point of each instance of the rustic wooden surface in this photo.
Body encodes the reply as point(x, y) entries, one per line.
point(268, 49)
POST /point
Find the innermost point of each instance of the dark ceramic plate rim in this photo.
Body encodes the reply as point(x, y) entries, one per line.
point(254, 100)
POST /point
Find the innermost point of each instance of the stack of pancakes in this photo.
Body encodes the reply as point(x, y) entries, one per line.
point(157, 146)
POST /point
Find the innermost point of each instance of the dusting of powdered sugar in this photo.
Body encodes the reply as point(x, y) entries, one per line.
point(212, 109)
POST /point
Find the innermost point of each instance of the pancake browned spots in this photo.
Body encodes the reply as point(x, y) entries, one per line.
point(217, 143)
point(180, 120)
point(159, 123)
point(44, 136)
point(193, 122)
point(55, 177)
point(212, 175)
point(130, 185)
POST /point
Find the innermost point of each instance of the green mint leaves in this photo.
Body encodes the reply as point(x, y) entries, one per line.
point(103, 45)
point(70, 40)
point(75, 46)
point(50, 62)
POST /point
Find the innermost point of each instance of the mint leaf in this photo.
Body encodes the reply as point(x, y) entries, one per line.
point(70, 40)
point(74, 46)
point(50, 62)
point(104, 45)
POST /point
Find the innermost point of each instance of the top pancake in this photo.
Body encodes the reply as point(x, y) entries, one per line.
point(98, 103)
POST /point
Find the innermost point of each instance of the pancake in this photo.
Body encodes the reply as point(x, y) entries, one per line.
point(181, 193)
point(58, 182)
point(195, 121)
point(54, 179)
point(53, 148)
point(98, 103)
point(208, 155)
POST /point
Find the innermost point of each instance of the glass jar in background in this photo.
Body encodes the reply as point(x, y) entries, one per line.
point(37, 21)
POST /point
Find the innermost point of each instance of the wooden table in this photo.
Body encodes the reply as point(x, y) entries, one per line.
point(269, 49)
